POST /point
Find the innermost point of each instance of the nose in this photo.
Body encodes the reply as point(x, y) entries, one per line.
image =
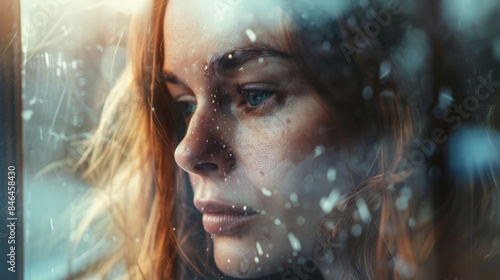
point(205, 149)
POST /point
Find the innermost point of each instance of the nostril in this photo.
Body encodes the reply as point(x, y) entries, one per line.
point(206, 167)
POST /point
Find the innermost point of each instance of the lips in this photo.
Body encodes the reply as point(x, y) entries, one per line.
point(224, 219)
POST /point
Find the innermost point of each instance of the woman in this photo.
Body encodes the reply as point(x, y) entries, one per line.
point(294, 136)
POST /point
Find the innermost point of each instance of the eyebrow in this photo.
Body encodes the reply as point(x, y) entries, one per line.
point(229, 61)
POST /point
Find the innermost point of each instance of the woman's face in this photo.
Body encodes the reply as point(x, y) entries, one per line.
point(259, 147)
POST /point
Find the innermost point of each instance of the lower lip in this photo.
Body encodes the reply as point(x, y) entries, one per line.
point(225, 223)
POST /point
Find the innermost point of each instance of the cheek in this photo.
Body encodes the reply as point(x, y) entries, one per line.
point(262, 150)
point(266, 144)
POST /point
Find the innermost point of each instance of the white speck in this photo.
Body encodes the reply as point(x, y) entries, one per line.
point(406, 192)
point(277, 222)
point(318, 151)
point(367, 93)
point(47, 59)
point(230, 56)
point(27, 114)
point(328, 203)
point(301, 220)
point(51, 225)
point(401, 203)
point(233, 206)
point(251, 35)
point(228, 260)
point(294, 242)
point(364, 213)
point(259, 248)
point(330, 225)
point(356, 230)
point(244, 208)
point(32, 101)
point(137, 240)
point(331, 175)
point(385, 69)
point(294, 197)
point(261, 60)
point(256, 259)
point(266, 192)
point(411, 222)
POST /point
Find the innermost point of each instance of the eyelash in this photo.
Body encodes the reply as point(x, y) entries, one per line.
point(255, 109)
point(247, 108)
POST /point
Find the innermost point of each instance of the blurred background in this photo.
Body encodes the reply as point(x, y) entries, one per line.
point(73, 51)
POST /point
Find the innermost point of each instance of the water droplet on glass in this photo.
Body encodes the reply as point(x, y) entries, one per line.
point(259, 248)
point(385, 69)
point(251, 35)
point(367, 93)
point(294, 242)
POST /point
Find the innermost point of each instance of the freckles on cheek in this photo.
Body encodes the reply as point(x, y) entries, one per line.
point(264, 150)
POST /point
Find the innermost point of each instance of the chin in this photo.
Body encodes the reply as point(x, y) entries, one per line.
point(237, 257)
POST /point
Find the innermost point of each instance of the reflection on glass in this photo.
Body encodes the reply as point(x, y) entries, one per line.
point(265, 139)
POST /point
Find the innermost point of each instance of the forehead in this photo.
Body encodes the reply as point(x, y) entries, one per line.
point(199, 29)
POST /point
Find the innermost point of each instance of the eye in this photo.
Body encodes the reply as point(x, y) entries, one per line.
point(255, 98)
point(186, 108)
point(254, 95)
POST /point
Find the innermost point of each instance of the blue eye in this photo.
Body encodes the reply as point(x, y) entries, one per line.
point(187, 108)
point(255, 98)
